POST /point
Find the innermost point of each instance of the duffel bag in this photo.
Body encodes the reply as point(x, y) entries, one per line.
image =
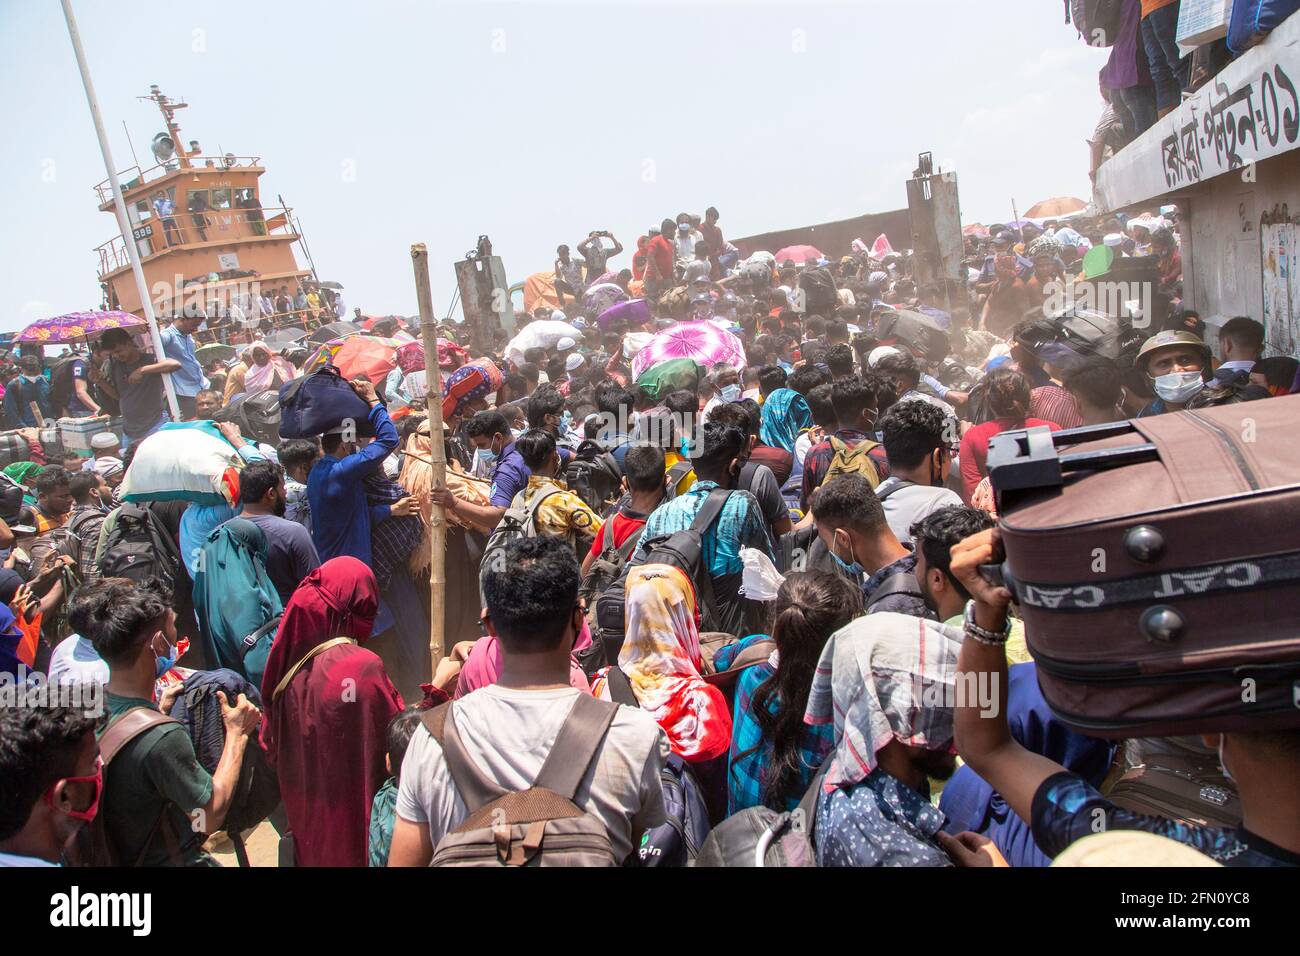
point(1157, 568)
point(316, 403)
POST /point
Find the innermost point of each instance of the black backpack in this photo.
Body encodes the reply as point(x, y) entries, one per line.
point(139, 547)
point(819, 291)
point(1096, 20)
point(682, 549)
point(257, 791)
point(593, 474)
point(61, 384)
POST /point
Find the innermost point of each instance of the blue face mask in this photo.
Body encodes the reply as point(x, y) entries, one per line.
point(164, 664)
point(566, 421)
point(854, 570)
point(487, 456)
point(731, 393)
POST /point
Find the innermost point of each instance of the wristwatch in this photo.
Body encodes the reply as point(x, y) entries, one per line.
point(981, 634)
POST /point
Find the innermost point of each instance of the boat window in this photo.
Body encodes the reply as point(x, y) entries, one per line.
point(143, 210)
point(244, 197)
point(197, 199)
point(221, 199)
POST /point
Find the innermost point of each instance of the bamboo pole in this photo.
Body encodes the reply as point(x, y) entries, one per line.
point(438, 647)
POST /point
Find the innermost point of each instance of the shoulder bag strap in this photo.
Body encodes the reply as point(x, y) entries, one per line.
point(127, 727)
point(901, 582)
point(576, 745)
point(620, 688)
point(475, 788)
point(292, 672)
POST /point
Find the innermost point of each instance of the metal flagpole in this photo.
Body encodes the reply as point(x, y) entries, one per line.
point(119, 206)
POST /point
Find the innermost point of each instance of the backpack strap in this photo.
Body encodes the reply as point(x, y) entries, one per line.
point(607, 537)
point(745, 479)
point(530, 511)
point(293, 671)
point(710, 510)
point(677, 473)
point(900, 582)
point(270, 627)
point(576, 745)
point(627, 547)
point(620, 688)
point(899, 485)
point(476, 789)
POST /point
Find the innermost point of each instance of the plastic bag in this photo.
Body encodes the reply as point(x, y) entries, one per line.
point(760, 580)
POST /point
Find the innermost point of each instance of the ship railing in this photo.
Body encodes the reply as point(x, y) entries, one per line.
point(157, 234)
point(134, 176)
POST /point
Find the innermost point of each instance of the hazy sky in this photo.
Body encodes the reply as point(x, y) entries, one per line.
point(385, 123)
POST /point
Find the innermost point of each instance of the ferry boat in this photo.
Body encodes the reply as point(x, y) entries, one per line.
point(205, 236)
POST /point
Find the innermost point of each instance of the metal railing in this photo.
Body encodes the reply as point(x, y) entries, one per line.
point(188, 229)
point(133, 176)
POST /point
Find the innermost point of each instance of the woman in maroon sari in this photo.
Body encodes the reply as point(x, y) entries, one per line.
point(328, 704)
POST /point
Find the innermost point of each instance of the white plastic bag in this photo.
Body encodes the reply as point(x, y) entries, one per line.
point(760, 580)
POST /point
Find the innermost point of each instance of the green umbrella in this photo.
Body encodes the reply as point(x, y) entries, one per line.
point(667, 377)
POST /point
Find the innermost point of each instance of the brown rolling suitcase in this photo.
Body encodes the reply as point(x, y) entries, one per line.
point(1156, 564)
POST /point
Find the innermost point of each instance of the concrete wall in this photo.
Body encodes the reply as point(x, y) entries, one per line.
point(1222, 273)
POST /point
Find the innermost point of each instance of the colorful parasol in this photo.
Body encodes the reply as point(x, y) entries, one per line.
point(702, 341)
point(601, 296)
point(976, 229)
point(76, 327)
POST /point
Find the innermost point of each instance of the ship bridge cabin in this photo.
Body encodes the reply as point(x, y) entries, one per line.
point(204, 235)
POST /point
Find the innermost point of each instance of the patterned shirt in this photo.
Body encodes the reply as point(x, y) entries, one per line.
point(563, 514)
point(383, 812)
point(879, 821)
point(296, 505)
point(745, 769)
point(1067, 808)
point(740, 525)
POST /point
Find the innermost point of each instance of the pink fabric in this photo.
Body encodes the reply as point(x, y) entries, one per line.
point(484, 664)
point(261, 377)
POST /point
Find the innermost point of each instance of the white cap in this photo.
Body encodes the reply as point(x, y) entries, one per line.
point(104, 441)
point(878, 353)
point(574, 362)
point(1115, 240)
point(565, 344)
point(558, 316)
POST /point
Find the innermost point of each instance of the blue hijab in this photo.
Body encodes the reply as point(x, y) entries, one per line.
point(233, 595)
point(785, 414)
point(971, 804)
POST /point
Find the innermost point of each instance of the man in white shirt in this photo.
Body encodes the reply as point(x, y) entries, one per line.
point(50, 782)
point(508, 728)
point(918, 440)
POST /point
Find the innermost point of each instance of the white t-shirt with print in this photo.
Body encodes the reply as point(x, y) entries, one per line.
point(508, 733)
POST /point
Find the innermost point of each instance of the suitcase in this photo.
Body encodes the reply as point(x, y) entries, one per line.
point(1156, 565)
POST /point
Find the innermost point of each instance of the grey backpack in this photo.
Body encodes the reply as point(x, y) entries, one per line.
point(759, 836)
point(540, 826)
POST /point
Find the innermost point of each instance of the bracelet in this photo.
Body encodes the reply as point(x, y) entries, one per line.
point(983, 635)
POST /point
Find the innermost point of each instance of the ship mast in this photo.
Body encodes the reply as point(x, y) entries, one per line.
point(169, 109)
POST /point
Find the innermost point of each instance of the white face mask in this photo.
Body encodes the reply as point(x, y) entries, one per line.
point(1177, 387)
point(730, 393)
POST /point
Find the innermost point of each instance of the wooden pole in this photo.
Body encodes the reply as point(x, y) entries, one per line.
point(438, 646)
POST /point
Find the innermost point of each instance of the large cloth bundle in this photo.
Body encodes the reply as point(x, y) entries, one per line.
point(544, 334)
point(184, 461)
point(472, 381)
point(1158, 596)
point(316, 403)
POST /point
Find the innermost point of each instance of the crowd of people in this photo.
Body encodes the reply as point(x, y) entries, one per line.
point(676, 601)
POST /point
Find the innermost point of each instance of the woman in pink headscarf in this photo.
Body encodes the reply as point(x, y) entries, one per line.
point(267, 370)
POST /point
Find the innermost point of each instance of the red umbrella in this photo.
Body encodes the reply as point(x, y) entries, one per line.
point(799, 254)
point(365, 355)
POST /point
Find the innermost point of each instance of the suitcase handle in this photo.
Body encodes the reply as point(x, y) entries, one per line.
point(1028, 458)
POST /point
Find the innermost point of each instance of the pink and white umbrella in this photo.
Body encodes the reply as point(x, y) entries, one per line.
point(702, 341)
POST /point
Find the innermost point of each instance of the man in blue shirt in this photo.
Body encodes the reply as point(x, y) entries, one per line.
point(188, 380)
point(30, 386)
point(341, 515)
point(719, 456)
